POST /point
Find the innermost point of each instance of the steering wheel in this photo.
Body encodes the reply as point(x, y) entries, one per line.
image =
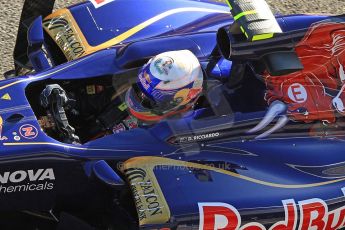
point(55, 99)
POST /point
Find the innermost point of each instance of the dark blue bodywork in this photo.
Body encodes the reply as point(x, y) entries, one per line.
point(277, 167)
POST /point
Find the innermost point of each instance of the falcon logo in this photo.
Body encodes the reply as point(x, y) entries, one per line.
point(56, 23)
point(62, 30)
point(149, 200)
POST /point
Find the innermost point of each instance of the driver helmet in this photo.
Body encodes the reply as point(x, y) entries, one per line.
point(169, 84)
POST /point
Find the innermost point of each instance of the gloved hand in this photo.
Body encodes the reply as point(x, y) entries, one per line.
point(46, 98)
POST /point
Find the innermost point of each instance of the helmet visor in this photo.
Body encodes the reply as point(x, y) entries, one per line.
point(140, 102)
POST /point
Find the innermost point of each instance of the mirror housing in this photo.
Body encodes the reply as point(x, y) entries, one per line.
point(36, 54)
point(106, 174)
point(35, 32)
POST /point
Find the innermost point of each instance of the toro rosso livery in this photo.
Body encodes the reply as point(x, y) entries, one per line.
point(259, 145)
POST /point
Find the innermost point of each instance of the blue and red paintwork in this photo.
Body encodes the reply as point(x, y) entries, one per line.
point(267, 160)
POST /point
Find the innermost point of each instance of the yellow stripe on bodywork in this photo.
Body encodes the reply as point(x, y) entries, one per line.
point(42, 143)
point(11, 84)
point(1, 124)
point(116, 40)
point(37, 77)
point(158, 161)
point(122, 37)
point(149, 22)
point(75, 147)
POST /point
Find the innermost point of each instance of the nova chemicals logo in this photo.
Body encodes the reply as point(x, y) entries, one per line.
point(27, 180)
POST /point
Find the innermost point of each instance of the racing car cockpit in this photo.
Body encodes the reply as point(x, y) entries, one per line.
point(82, 110)
point(272, 79)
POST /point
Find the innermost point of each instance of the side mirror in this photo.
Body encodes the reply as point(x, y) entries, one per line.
point(35, 33)
point(106, 174)
point(37, 56)
point(224, 42)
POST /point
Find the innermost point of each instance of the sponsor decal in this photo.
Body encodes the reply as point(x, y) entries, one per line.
point(119, 128)
point(61, 29)
point(297, 93)
point(143, 80)
point(123, 107)
point(194, 93)
point(1, 125)
point(27, 180)
point(2, 138)
point(6, 97)
point(147, 77)
point(164, 65)
point(131, 122)
point(149, 200)
point(28, 131)
point(196, 138)
point(99, 3)
point(307, 214)
point(91, 90)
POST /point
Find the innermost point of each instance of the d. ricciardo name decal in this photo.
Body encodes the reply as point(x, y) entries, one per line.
point(312, 214)
point(27, 180)
point(195, 138)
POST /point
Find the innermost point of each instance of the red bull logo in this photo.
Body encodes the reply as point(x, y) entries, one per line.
point(313, 214)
